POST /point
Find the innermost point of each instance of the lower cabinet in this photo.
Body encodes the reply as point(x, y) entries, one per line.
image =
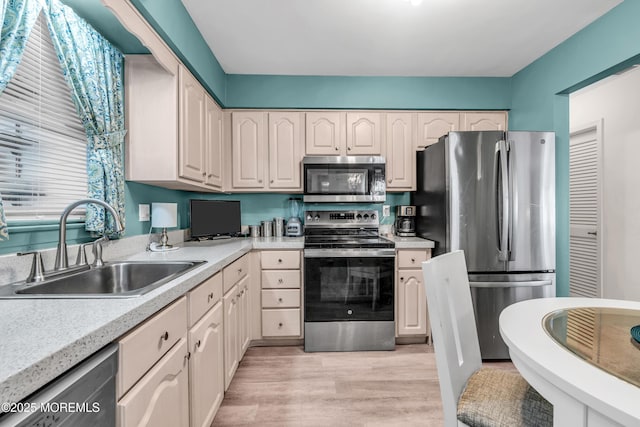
point(161, 397)
point(281, 294)
point(206, 367)
point(231, 335)
point(411, 306)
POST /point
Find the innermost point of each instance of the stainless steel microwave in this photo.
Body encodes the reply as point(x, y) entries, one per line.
point(344, 179)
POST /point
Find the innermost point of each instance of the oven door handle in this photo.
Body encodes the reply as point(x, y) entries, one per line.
point(350, 253)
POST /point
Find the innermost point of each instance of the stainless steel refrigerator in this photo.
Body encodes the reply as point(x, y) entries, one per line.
point(492, 195)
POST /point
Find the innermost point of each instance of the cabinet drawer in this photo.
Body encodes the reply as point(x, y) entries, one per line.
point(144, 346)
point(281, 322)
point(281, 298)
point(234, 272)
point(280, 259)
point(204, 296)
point(280, 279)
point(412, 258)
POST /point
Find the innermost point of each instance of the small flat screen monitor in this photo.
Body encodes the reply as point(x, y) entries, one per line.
point(211, 218)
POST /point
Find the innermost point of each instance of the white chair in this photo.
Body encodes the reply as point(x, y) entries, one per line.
point(472, 395)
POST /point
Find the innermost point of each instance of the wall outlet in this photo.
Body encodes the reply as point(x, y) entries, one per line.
point(144, 213)
point(386, 210)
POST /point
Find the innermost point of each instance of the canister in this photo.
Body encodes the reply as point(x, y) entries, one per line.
point(254, 230)
point(278, 226)
point(267, 229)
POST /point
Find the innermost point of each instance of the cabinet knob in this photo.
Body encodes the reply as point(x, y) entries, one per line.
point(390, 180)
point(198, 344)
point(337, 148)
point(279, 299)
point(187, 356)
point(210, 297)
point(165, 336)
point(280, 325)
point(260, 181)
point(204, 174)
point(279, 260)
point(280, 280)
point(210, 175)
point(272, 181)
point(413, 260)
point(402, 279)
point(349, 148)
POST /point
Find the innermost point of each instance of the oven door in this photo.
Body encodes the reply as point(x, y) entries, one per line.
point(348, 285)
point(344, 179)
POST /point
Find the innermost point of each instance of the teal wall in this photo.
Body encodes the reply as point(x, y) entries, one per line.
point(539, 97)
point(173, 23)
point(257, 91)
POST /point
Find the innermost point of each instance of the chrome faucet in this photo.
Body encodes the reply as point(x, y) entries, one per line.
point(62, 259)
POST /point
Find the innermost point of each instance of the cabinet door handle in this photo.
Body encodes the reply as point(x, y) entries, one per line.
point(198, 344)
point(165, 336)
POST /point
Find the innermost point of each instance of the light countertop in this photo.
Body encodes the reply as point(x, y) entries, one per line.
point(42, 338)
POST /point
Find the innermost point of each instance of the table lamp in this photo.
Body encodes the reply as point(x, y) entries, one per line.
point(164, 215)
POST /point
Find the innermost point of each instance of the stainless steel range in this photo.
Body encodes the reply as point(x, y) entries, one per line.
point(348, 282)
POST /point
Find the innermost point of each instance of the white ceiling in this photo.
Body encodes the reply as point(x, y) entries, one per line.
point(388, 37)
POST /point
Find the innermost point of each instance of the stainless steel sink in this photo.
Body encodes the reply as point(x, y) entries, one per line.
point(113, 280)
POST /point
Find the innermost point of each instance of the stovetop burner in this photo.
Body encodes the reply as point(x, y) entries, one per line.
point(343, 229)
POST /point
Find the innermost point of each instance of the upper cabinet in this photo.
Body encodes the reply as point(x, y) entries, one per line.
point(484, 120)
point(174, 137)
point(399, 152)
point(267, 150)
point(433, 125)
point(325, 135)
point(331, 133)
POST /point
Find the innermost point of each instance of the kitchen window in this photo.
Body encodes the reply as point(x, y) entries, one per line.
point(43, 144)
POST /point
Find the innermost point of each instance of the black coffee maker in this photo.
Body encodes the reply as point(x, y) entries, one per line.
point(405, 221)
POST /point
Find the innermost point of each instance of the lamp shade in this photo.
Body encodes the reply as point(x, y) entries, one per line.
point(164, 215)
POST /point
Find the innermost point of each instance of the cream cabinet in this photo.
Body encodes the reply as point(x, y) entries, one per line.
point(152, 381)
point(484, 120)
point(411, 300)
point(281, 294)
point(433, 125)
point(339, 133)
point(237, 314)
point(266, 151)
point(174, 135)
point(206, 347)
point(399, 152)
point(231, 335)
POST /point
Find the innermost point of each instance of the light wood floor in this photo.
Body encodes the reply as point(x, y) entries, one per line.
point(284, 386)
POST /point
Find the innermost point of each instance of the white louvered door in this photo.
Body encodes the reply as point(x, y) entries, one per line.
point(585, 175)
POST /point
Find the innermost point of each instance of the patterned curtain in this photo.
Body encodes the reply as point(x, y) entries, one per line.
point(93, 68)
point(17, 20)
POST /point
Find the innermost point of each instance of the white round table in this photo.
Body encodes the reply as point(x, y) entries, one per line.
point(581, 393)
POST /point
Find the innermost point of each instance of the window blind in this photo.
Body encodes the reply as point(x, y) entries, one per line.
point(42, 140)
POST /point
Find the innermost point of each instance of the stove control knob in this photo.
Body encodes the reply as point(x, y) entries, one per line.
point(316, 218)
point(366, 217)
point(359, 217)
point(309, 218)
point(373, 216)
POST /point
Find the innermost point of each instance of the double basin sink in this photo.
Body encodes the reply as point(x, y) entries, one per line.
point(118, 279)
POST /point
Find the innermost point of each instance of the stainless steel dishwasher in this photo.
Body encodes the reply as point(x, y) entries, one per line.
point(83, 396)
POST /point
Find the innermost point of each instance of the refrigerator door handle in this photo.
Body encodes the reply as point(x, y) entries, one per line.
point(529, 284)
point(503, 225)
